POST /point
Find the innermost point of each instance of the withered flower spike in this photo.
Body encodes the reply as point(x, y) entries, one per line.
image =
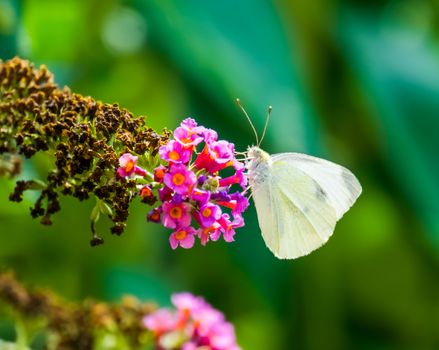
point(85, 136)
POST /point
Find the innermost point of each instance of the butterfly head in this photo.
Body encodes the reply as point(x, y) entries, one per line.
point(255, 153)
point(256, 156)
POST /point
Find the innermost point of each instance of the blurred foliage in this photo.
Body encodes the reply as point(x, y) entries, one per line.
point(354, 81)
point(39, 316)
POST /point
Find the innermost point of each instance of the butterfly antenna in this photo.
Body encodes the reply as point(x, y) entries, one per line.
point(266, 124)
point(238, 101)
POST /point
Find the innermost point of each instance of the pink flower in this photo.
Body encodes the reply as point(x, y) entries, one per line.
point(200, 196)
point(209, 213)
point(228, 227)
point(187, 302)
point(146, 194)
point(195, 325)
point(216, 156)
point(183, 237)
point(180, 179)
point(154, 215)
point(161, 321)
point(176, 214)
point(128, 167)
point(189, 346)
point(209, 135)
point(236, 202)
point(165, 194)
point(187, 138)
point(205, 318)
point(159, 173)
point(175, 152)
point(222, 336)
point(237, 178)
point(241, 201)
point(238, 165)
point(212, 233)
point(191, 126)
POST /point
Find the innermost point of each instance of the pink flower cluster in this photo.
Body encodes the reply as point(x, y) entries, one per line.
point(195, 200)
point(193, 325)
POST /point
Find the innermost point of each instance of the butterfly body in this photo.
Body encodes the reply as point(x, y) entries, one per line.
point(298, 199)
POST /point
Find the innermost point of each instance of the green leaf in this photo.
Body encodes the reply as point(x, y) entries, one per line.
point(104, 207)
point(227, 53)
point(95, 213)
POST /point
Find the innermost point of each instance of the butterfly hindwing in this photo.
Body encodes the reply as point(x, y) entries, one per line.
point(294, 213)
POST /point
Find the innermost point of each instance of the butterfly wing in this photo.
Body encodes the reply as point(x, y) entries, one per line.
point(294, 213)
point(339, 184)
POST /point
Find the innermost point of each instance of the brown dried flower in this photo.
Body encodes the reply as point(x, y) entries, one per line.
point(84, 136)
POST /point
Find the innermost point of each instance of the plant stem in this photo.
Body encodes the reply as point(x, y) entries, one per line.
point(21, 333)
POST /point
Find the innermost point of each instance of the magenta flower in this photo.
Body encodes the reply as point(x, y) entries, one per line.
point(187, 302)
point(203, 194)
point(155, 215)
point(128, 167)
point(189, 346)
point(209, 135)
point(187, 138)
point(161, 321)
point(211, 233)
point(159, 173)
point(236, 202)
point(228, 227)
point(222, 336)
point(216, 156)
point(176, 214)
point(205, 318)
point(209, 213)
point(200, 196)
point(195, 325)
point(239, 203)
point(165, 194)
point(190, 125)
point(183, 237)
point(180, 179)
point(175, 152)
point(237, 178)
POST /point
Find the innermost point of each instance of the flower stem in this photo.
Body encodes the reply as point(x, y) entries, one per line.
point(21, 333)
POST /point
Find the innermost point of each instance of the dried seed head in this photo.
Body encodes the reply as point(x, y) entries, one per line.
point(85, 137)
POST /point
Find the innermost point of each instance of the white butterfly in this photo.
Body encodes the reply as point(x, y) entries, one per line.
point(298, 199)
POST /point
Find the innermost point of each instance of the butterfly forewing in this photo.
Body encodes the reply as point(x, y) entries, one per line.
point(294, 213)
point(339, 184)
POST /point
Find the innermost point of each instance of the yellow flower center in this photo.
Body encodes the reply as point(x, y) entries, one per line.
point(129, 166)
point(175, 213)
point(173, 155)
point(160, 174)
point(186, 140)
point(180, 235)
point(207, 212)
point(155, 216)
point(178, 179)
point(145, 192)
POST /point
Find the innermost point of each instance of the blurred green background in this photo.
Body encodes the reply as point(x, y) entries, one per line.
point(356, 82)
